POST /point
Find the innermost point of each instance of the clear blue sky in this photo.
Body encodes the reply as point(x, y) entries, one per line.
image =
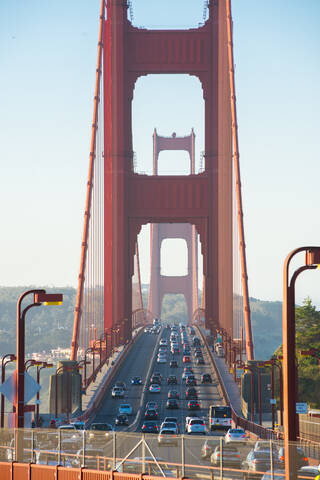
point(47, 61)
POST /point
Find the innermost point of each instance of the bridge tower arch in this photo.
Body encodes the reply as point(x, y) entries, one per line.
point(131, 200)
point(161, 284)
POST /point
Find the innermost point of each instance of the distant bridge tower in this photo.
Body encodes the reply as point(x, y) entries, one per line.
point(160, 284)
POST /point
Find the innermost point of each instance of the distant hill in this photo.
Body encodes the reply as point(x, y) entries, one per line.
point(49, 327)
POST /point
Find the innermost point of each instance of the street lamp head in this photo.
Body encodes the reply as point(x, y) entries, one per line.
point(48, 298)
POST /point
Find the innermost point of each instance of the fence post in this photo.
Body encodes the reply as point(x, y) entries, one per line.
point(114, 446)
point(271, 458)
point(83, 448)
point(59, 446)
point(32, 449)
point(221, 458)
point(143, 453)
point(182, 455)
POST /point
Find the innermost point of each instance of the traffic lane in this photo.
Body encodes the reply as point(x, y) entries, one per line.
point(208, 393)
point(134, 365)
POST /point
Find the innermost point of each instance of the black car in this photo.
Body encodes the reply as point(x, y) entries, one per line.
point(173, 364)
point(198, 354)
point(193, 405)
point(172, 403)
point(206, 378)
point(151, 414)
point(173, 394)
point(172, 380)
point(150, 426)
point(191, 381)
point(136, 381)
point(191, 393)
point(122, 420)
point(155, 379)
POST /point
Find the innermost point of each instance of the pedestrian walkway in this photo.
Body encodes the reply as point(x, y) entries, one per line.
point(230, 385)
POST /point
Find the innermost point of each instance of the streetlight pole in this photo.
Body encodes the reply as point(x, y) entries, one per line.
point(312, 260)
point(39, 297)
point(39, 368)
point(11, 358)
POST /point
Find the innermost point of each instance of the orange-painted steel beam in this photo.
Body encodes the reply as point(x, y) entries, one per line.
point(84, 246)
point(244, 274)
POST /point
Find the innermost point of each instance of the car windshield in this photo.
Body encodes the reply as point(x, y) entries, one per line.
point(100, 427)
point(196, 422)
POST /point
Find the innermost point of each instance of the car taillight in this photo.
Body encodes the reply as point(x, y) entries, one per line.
point(282, 458)
point(306, 459)
point(243, 436)
point(238, 456)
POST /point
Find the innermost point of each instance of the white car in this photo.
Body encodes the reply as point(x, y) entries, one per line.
point(117, 392)
point(195, 425)
point(163, 341)
point(162, 359)
point(235, 435)
point(167, 436)
point(125, 409)
point(154, 388)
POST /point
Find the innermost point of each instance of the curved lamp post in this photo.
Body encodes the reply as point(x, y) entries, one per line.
point(9, 357)
point(290, 388)
point(40, 297)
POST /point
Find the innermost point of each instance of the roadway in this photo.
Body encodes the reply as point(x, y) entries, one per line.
point(142, 361)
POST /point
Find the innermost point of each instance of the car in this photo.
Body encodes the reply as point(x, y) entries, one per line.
point(120, 385)
point(79, 425)
point(193, 405)
point(150, 426)
point(152, 405)
point(157, 374)
point(208, 448)
point(189, 369)
point(67, 426)
point(136, 381)
point(206, 378)
point(186, 359)
point(171, 419)
point(173, 364)
point(229, 456)
point(185, 375)
point(301, 458)
point(162, 360)
point(198, 354)
point(260, 461)
point(154, 388)
point(191, 381)
point(155, 379)
point(235, 435)
point(172, 403)
point(91, 458)
point(122, 419)
point(173, 425)
point(101, 427)
point(117, 392)
point(151, 464)
point(163, 341)
point(151, 414)
point(264, 445)
point(125, 408)
point(167, 436)
point(162, 350)
point(191, 393)
point(172, 380)
point(174, 394)
point(200, 361)
point(196, 425)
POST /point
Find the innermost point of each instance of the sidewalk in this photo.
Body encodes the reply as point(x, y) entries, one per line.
point(231, 387)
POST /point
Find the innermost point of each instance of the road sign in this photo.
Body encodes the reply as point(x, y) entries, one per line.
point(273, 401)
point(240, 372)
point(301, 407)
point(9, 387)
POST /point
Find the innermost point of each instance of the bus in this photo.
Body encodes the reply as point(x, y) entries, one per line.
point(219, 417)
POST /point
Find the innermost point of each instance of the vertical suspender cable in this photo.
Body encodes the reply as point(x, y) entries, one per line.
point(84, 246)
point(244, 276)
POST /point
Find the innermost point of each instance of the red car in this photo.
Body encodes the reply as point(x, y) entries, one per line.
point(186, 359)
